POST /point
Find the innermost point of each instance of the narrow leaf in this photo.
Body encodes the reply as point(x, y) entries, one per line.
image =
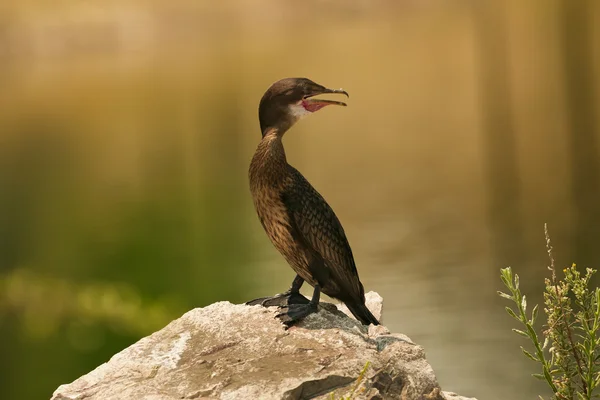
point(518, 332)
point(505, 275)
point(505, 280)
point(528, 354)
point(539, 376)
point(512, 313)
point(534, 314)
point(524, 303)
point(506, 296)
point(546, 341)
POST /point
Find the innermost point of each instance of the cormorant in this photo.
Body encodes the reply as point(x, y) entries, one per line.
point(299, 222)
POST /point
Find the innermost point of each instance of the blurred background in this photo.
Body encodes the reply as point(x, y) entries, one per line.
point(127, 127)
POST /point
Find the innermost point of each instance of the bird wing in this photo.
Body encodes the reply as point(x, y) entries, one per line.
point(320, 229)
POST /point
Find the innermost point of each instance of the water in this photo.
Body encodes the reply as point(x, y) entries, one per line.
point(123, 176)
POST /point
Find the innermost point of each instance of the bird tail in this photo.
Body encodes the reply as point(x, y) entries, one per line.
point(361, 312)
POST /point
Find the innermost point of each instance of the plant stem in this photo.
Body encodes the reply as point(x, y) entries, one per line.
point(562, 313)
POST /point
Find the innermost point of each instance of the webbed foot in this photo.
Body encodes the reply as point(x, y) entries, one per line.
point(295, 312)
point(280, 300)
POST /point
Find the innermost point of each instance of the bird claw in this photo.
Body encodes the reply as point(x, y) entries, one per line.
point(280, 300)
point(295, 312)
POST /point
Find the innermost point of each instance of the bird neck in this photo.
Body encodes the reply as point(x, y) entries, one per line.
point(269, 158)
point(283, 121)
point(271, 146)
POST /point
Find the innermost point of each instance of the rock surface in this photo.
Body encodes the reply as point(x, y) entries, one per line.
point(234, 352)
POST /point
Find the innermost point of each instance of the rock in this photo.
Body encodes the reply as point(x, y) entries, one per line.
point(232, 352)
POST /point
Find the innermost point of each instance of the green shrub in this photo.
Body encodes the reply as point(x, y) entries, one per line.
point(571, 363)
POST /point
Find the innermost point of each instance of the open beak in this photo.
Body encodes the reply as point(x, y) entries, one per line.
point(311, 104)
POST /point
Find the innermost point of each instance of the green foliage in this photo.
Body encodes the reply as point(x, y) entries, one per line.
point(357, 384)
point(571, 365)
point(46, 304)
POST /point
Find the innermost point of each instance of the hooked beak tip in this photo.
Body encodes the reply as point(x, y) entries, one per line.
point(317, 104)
point(340, 91)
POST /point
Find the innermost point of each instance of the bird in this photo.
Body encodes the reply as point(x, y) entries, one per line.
point(296, 218)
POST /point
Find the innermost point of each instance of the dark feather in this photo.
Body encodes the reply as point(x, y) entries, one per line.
point(296, 218)
point(317, 226)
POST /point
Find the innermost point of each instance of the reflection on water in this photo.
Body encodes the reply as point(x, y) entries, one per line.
point(123, 183)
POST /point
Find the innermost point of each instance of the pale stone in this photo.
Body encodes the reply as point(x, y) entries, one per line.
point(234, 352)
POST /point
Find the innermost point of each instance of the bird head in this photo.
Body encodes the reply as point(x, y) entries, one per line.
point(290, 99)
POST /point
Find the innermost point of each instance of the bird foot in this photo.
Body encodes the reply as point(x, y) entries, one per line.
point(295, 312)
point(280, 300)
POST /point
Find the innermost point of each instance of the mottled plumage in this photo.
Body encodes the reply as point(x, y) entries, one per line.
point(296, 218)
